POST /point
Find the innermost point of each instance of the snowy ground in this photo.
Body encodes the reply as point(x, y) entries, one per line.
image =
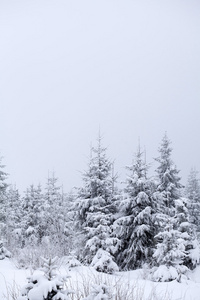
point(82, 278)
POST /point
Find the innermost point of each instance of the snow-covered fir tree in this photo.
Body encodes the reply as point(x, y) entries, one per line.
point(170, 248)
point(188, 233)
point(178, 248)
point(96, 205)
point(32, 207)
point(192, 192)
point(13, 218)
point(170, 253)
point(135, 227)
point(169, 186)
point(97, 181)
point(3, 187)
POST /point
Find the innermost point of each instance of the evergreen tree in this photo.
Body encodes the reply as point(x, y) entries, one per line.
point(188, 234)
point(3, 187)
point(169, 186)
point(177, 249)
point(32, 215)
point(13, 218)
point(96, 204)
point(171, 250)
point(97, 182)
point(135, 227)
point(192, 192)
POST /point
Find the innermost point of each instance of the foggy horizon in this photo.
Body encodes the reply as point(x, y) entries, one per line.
point(68, 68)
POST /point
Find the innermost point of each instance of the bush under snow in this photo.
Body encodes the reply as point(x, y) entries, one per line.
point(100, 292)
point(103, 262)
point(3, 251)
point(168, 273)
point(49, 286)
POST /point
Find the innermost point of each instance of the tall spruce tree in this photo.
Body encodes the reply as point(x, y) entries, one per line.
point(96, 204)
point(170, 247)
point(192, 192)
point(169, 186)
point(135, 228)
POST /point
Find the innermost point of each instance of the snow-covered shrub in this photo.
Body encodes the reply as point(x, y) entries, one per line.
point(3, 251)
point(100, 292)
point(168, 273)
point(49, 286)
point(103, 262)
point(194, 254)
point(72, 260)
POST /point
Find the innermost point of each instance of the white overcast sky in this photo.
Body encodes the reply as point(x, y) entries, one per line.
point(68, 68)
